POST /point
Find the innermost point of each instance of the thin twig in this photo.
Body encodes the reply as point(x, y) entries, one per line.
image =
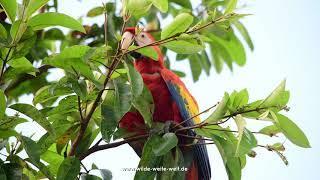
point(194, 137)
point(111, 145)
point(226, 118)
point(84, 124)
point(98, 142)
point(196, 115)
point(227, 130)
point(79, 108)
point(84, 167)
point(196, 144)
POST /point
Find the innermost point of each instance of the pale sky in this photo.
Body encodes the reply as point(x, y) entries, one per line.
point(285, 34)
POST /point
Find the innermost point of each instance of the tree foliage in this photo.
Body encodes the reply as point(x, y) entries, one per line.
point(99, 85)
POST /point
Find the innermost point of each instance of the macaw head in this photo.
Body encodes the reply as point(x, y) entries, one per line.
point(138, 37)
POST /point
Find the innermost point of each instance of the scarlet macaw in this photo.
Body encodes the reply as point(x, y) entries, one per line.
point(172, 101)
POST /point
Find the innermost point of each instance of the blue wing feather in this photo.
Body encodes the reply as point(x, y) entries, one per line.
point(200, 151)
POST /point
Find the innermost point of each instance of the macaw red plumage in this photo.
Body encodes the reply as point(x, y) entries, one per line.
point(172, 102)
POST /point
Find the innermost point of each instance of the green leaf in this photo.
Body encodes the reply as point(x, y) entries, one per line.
point(232, 164)
point(94, 166)
point(116, 105)
point(17, 30)
point(216, 58)
point(34, 114)
point(109, 116)
point(122, 98)
point(270, 130)
point(278, 147)
point(22, 65)
point(3, 104)
point(135, 80)
point(63, 129)
point(69, 169)
point(247, 143)
point(292, 131)
point(146, 51)
point(240, 99)
point(185, 46)
point(73, 60)
point(179, 24)
point(245, 34)
point(195, 65)
point(13, 171)
point(162, 5)
point(241, 124)
point(32, 149)
point(220, 111)
point(205, 62)
point(232, 47)
point(46, 94)
point(278, 98)
point(3, 33)
point(34, 5)
point(96, 11)
point(183, 3)
point(10, 7)
point(137, 8)
point(179, 73)
point(172, 160)
point(40, 21)
point(89, 177)
point(144, 104)
point(67, 105)
point(45, 171)
point(232, 4)
point(10, 122)
point(148, 159)
point(167, 142)
point(2, 172)
point(25, 44)
point(53, 159)
point(4, 134)
point(106, 174)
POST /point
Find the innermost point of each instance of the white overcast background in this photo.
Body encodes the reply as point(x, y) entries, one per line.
point(286, 39)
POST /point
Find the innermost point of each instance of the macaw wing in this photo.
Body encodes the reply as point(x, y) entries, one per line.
point(188, 108)
point(187, 105)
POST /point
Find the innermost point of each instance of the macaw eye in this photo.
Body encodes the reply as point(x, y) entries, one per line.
point(142, 35)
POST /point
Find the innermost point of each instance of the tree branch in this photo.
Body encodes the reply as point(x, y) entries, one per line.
point(85, 122)
point(96, 148)
point(226, 117)
point(188, 31)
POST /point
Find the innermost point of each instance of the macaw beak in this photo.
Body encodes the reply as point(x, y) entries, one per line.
point(127, 40)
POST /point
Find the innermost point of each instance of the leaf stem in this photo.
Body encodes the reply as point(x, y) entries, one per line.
point(4, 63)
point(79, 108)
